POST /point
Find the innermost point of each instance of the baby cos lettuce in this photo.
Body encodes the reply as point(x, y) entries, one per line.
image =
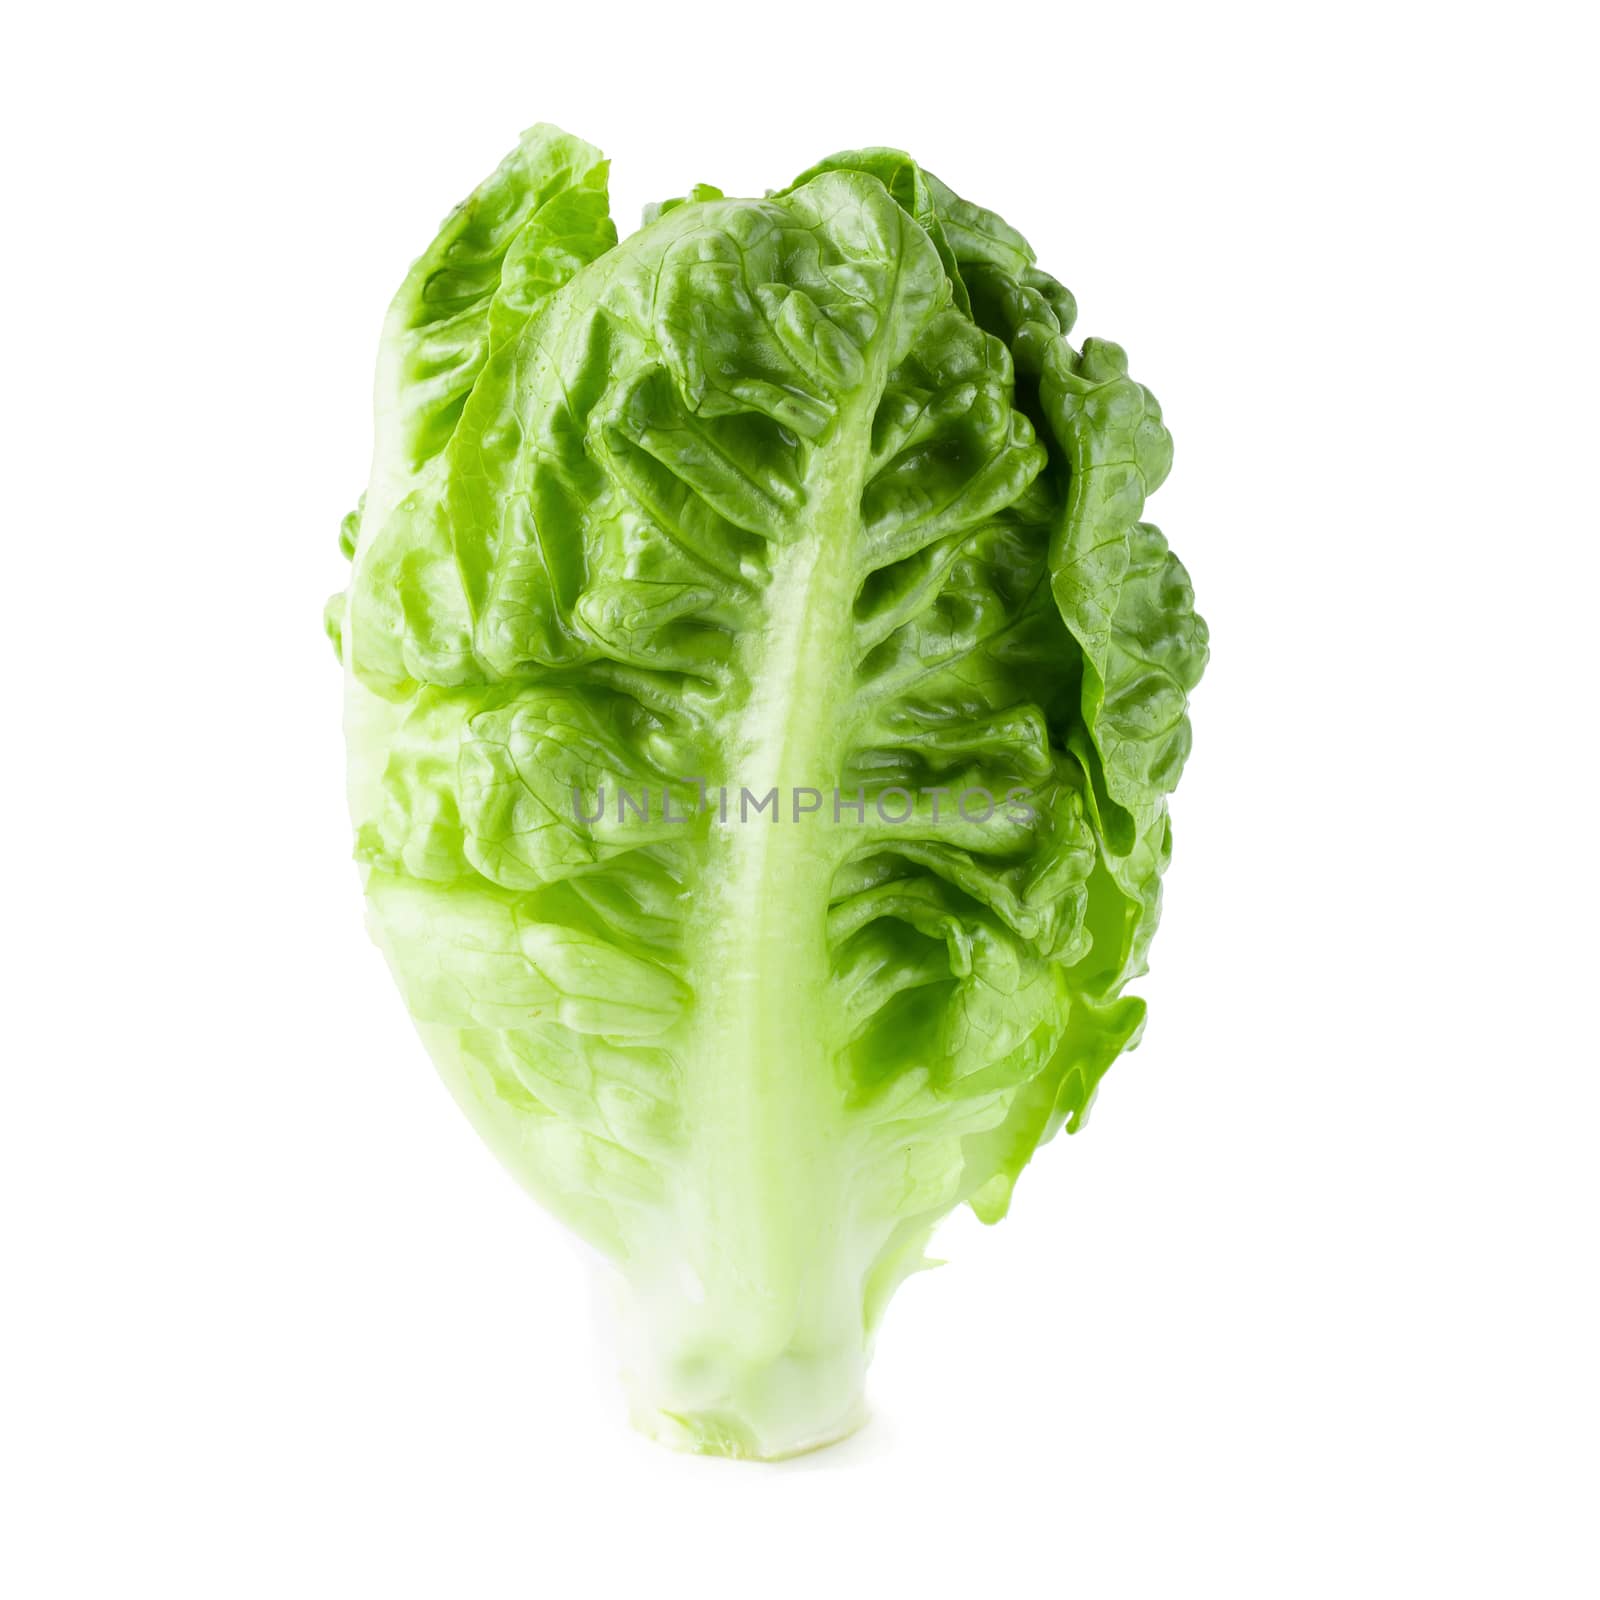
point(808, 494)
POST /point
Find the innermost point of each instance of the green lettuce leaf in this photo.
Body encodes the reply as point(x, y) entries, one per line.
point(762, 700)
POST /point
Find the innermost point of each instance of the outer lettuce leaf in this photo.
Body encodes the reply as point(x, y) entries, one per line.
point(807, 493)
point(523, 233)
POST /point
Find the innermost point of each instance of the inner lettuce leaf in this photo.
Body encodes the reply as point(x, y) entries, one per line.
point(812, 494)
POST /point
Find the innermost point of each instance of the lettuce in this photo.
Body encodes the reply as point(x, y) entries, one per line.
point(762, 700)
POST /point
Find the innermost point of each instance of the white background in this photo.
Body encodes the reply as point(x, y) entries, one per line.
point(1309, 1309)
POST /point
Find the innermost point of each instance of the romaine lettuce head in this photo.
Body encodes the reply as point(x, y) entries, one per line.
point(808, 495)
